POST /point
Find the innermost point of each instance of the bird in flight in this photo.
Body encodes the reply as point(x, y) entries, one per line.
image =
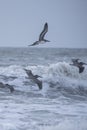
point(34, 78)
point(79, 65)
point(41, 36)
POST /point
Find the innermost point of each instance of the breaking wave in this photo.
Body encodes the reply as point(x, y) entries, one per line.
point(59, 77)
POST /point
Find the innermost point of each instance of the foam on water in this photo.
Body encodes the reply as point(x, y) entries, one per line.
point(60, 74)
point(60, 105)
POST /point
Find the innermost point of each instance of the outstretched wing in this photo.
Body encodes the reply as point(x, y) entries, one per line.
point(35, 43)
point(39, 83)
point(82, 63)
point(81, 69)
point(28, 72)
point(45, 29)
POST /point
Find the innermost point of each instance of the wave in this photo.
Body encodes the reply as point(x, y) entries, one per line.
point(60, 77)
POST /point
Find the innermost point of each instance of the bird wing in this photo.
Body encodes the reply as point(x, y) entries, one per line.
point(82, 63)
point(75, 60)
point(35, 43)
point(81, 69)
point(37, 76)
point(28, 72)
point(39, 83)
point(10, 87)
point(44, 31)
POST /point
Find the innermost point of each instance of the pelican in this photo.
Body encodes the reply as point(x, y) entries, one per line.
point(34, 78)
point(75, 60)
point(79, 65)
point(41, 36)
point(7, 86)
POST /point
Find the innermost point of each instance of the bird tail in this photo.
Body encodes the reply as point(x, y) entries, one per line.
point(46, 40)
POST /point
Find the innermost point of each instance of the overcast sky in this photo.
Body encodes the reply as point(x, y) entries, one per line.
point(21, 22)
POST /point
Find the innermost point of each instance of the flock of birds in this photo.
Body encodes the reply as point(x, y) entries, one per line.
point(29, 73)
point(42, 40)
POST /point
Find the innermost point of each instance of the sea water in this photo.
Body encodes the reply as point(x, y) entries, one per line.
point(62, 102)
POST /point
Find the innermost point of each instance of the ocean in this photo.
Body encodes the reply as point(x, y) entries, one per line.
point(62, 102)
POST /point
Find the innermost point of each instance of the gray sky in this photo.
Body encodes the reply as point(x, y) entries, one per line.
point(21, 22)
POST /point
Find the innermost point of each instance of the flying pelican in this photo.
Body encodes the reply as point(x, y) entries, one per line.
point(75, 60)
point(41, 36)
point(7, 86)
point(79, 65)
point(34, 78)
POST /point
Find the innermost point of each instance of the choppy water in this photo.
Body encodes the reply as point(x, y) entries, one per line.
point(60, 105)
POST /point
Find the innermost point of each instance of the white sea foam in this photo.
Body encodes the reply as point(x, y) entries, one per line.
point(60, 72)
point(60, 105)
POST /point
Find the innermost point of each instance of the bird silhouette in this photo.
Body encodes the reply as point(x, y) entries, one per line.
point(34, 78)
point(10, 87)
point(78, 64)
point(41, 36)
